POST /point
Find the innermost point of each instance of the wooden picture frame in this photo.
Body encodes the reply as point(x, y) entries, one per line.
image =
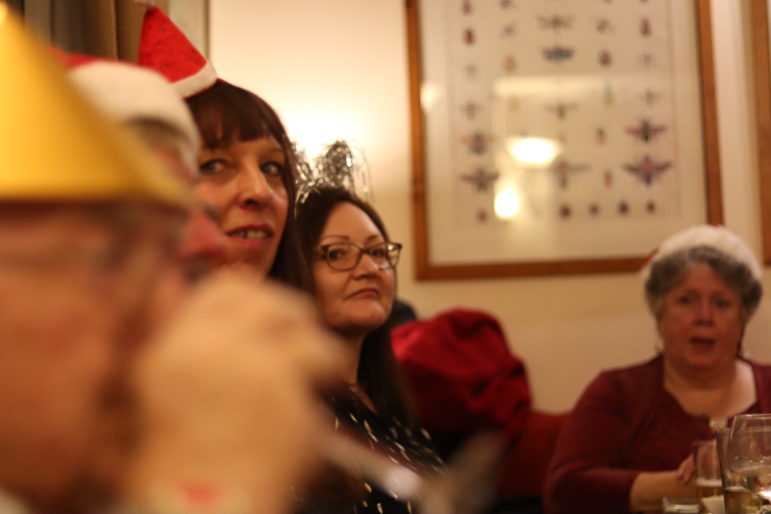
point(427, 266)
point(762, 76)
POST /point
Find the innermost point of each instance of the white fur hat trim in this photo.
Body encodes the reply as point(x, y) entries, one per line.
point(719, 238)
point(127, 92)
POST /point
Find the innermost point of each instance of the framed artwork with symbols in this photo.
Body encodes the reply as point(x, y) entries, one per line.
point(556, 136)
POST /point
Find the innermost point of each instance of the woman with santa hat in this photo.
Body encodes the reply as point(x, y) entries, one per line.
point(247, 164)
point(626, 444)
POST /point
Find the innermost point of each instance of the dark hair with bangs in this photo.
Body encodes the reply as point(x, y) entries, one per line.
point(379, 372)
point(226, 114)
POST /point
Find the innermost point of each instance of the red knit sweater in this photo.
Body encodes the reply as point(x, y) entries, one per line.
point(624, 423)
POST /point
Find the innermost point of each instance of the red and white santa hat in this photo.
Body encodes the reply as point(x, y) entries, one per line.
point(165, 49)
point(126, 92)
point(717, 237)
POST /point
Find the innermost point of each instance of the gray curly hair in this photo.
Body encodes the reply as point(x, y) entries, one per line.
point(669, 271)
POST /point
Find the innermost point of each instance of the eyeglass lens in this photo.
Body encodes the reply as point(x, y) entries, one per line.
point(345, 256)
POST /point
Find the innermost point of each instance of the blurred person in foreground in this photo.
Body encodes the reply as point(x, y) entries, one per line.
point(228, 386)
point(88, 227)
point(627, 442)
point(145, 103)
point(87, 223)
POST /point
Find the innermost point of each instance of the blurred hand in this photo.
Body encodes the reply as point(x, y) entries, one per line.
point(686, 470)
point(651, 487)
point(228, 420)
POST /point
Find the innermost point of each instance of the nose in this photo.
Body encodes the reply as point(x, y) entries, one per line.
point(203, 242)
point(366, 266)
point(705, 312)
point(253, 187)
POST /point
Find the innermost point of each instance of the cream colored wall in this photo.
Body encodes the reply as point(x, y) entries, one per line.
point(337, 68)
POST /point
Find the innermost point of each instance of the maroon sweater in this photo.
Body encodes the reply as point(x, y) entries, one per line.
point(623, 424)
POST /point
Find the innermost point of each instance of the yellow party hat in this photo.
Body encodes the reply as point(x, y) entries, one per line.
point(54, 146)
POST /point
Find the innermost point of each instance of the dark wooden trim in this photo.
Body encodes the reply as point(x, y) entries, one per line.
point(424, 270)
point(714, 188)
point(530, 268)
point(762, 76)
point(419, 198)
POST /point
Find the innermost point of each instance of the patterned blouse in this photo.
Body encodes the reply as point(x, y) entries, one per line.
point(405, 445)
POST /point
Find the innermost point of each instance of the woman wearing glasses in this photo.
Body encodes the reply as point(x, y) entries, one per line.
point(352, 264)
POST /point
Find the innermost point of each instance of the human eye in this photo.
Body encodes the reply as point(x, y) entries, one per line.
point(273, 169)
point(723, 303)
point(213, 167)
point(685, 299)
point(337, 253)
point(379, 251)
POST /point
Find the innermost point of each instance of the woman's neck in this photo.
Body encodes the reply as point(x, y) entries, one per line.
point(352, 355)
point(720, 393)
point(683, 377)
point(351, 369)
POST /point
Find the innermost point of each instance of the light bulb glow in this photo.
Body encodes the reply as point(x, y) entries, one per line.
point(430, 94)
point(533, 150)
point(314, 128)
point(507, 203)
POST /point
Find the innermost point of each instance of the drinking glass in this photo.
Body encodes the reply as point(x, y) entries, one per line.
point(707, 472)
point(737, 499)
point(707, 468)
point(749, 454)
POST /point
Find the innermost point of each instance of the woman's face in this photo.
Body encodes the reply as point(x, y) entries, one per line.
point(245, 182)
point(701, 323)
point(356, 301)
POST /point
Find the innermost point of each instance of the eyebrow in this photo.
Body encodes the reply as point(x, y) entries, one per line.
point(274, 152)
point(348, 238)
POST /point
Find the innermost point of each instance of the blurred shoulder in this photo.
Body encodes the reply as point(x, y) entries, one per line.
point(634, 375)
point(762, 371)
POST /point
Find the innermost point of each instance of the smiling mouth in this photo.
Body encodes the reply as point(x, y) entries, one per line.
point(249, 234)
point(365, 293)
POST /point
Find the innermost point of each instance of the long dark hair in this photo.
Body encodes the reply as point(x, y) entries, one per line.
point(378, 372)
point(226, 114)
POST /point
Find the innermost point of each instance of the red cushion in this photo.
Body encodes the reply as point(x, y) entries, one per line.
point(524, 467)
point(463, 374)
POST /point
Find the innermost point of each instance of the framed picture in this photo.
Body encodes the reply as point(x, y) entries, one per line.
point(557, 137)
point(762, 70)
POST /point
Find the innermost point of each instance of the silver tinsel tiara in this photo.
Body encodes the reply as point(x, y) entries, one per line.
point(339, 165)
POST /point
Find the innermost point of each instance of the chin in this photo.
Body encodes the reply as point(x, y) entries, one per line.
point(255, 266)
point(365, 324)
point(707, 362)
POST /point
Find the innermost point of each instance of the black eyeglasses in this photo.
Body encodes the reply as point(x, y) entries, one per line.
point(346, 256)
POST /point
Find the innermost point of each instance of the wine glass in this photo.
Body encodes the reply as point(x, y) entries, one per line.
point(749, 454)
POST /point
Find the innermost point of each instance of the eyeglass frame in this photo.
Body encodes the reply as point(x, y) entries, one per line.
point(324, 254)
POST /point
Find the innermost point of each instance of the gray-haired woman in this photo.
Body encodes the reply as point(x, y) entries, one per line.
point(622, 447)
